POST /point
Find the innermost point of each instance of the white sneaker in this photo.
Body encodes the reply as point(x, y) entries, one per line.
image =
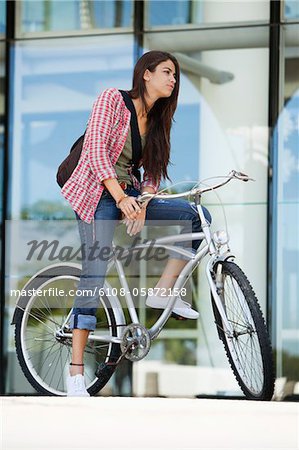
point(76, 386)
point(180, 308)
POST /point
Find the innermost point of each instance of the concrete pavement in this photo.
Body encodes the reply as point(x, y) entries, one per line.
point(147, 423)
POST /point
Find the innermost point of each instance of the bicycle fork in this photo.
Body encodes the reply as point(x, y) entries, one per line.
point(215, 289)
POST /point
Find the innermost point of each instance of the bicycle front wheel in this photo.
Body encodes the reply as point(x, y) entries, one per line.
point(248, 348)
point(44, 353)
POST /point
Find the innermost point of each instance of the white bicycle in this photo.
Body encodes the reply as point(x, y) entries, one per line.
point(43, 338)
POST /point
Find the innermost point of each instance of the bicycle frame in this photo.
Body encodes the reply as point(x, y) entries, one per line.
point(194, 261)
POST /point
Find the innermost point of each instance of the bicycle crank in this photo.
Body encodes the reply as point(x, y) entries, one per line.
point(136, 342)
point(135, 345)
point(105, 370)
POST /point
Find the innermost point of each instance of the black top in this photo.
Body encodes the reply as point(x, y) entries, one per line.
point(135, 135)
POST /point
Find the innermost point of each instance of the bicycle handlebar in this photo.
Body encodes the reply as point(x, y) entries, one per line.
point(197, 191)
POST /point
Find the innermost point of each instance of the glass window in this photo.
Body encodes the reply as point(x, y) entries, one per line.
point(39, 16)
point(168, 12)
point(291, 9)
point(55, 84)
point(2, 17)
point(183, 12)
point(286, 238)
point(222, 124)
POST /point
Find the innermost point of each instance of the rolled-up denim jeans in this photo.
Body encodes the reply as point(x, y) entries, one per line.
point(98, 236)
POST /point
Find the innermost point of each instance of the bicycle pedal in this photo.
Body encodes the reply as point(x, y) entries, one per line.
point(177, 317)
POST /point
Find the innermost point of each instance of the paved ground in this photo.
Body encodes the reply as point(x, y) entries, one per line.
point(147, 423)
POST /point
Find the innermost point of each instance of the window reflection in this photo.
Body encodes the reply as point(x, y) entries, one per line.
point(291, 9)
point(222, 124)
point(287, 240)
point(37, 16)
point(2, 17)
point(168, 12)
point(182, 12)
point(56, 84)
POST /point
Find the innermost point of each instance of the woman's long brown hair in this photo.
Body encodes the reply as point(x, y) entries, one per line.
point(156, 152)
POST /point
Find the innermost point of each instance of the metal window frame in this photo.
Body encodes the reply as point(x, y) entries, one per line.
point(274, 104)
point(10, 34)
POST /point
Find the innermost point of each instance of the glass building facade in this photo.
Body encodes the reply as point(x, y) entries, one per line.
point(238, 109)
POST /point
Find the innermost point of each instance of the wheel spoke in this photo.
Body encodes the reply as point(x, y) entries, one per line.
point(37, 344)
point(245, 363)
point(55, 370)
point(40, 321)
point(40, 368)
point(61, 378)
point(250, 347)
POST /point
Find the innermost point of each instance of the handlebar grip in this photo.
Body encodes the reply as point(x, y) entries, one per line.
point(143, 198)
point(242, 176)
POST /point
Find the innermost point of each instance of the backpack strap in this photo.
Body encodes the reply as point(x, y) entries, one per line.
point(135, 135)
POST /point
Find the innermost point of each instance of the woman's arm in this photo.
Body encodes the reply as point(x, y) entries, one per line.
point(148, 189)
point(98, 132)
point(114, 188)
point(149, 184)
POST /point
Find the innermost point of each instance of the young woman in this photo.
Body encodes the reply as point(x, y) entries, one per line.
point(102, 189)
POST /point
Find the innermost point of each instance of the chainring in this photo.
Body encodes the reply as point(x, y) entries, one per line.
point(136, 342)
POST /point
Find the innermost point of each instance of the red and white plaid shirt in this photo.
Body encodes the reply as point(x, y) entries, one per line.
point(105, 137)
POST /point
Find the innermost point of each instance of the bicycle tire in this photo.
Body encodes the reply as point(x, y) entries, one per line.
point(254, 371)
point(26, 321)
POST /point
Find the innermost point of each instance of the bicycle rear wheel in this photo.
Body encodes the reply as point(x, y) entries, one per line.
point(43, 352)
point(248, 349)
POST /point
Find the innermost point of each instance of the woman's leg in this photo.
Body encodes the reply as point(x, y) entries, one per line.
point(169, 275)
point(94, 238)
point(78, 345)
point(175, 211)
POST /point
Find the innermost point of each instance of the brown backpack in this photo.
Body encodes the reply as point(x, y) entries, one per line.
point(69, 164)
